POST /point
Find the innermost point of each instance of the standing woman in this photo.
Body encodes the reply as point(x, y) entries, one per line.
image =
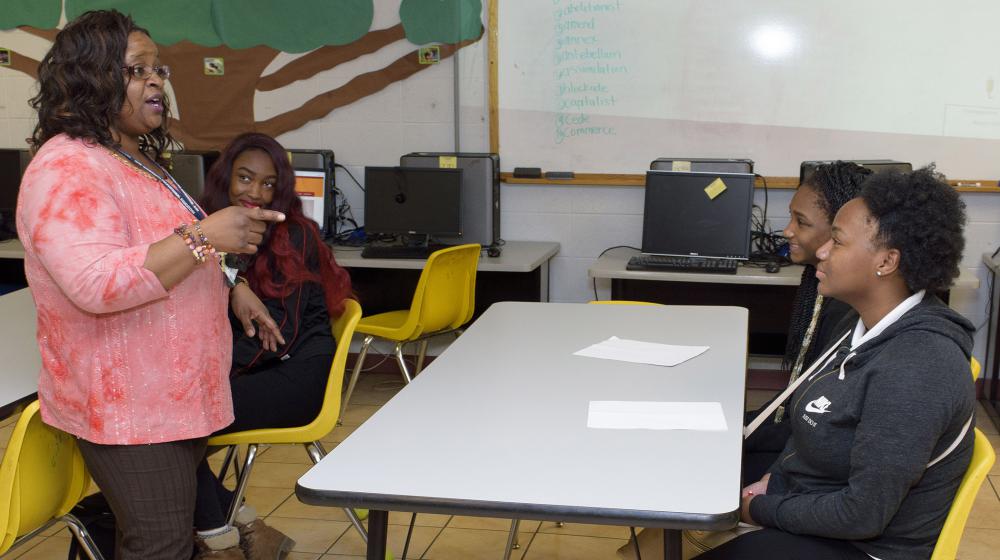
point(277, 382)
point(122, 265)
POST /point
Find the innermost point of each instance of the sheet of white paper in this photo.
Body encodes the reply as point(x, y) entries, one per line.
point(650, 415)
point(639, 352)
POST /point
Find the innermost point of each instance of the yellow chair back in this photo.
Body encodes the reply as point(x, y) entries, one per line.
point(983, 457)
point(41, 478)
point(445, 297)
point(976, 368)
point(343, 330)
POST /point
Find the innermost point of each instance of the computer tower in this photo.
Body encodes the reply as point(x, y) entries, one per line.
point(189, 168)
point(317, 164)
point(480, 192)
point(807, 168)
point(716, 165)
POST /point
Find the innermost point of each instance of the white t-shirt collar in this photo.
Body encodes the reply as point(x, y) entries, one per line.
point(860, 336)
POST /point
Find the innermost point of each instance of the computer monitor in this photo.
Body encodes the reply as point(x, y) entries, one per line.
point(413, 201)
point(698, 214)
point(12, 165)
point(310, 185)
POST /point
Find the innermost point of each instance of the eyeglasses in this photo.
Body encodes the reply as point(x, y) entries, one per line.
point(144, 72)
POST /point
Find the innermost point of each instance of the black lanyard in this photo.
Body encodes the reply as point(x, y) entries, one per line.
point(171, 185)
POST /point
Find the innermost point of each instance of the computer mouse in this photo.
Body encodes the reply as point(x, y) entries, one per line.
point(772, 267)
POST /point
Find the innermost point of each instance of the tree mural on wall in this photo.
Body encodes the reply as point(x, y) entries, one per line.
point(248, 35)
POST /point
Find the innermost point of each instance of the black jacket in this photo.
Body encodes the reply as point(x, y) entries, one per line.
point(863, 432)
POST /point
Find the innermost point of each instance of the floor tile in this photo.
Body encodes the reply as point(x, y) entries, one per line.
point(551, 547)
point(584, 530)
point(351, 544)
point(345, 557)
point(490, 523)
point(25, 547)
point(979, 544)
point(266, 500)
point(474, 544)
point(52, 548)
point(294, 508)
point(338, 435)
point(356, 414)
point(983, 420)
point(276, 475)
point(757, 398)
point(310, 535)
point(304, 556)
point(423, 519)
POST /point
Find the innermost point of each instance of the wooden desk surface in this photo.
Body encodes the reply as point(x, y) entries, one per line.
point(517, 256)
point(497, 425)
point(612, 265)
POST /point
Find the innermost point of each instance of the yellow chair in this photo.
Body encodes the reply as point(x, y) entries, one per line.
point(309, 435)
point(976, 368)
point(443, 302)
point(41, 478)
point(983, 457)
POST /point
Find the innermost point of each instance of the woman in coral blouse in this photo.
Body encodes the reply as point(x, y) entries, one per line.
point(123, 266)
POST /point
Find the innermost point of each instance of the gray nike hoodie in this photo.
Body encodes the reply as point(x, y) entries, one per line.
point(864, 430)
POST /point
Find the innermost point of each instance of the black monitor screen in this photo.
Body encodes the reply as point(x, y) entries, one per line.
point(10, 178)
point(411, 200)
point(698, 214)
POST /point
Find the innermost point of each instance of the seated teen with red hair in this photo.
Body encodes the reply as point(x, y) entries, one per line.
point(277, 382)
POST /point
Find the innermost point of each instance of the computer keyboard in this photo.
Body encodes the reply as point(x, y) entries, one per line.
point(662, 263)
point(400, 251)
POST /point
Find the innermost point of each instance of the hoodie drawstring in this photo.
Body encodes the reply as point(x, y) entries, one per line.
point(844, 363)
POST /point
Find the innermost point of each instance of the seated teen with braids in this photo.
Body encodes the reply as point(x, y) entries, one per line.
point(278, 381)
point(881, 432)
point(814, 318)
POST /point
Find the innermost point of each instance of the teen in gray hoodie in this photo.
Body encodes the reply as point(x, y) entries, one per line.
point(881, 434)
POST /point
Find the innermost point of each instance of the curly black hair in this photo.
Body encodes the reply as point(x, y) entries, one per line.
point(835, 184)
point(81, 88)
point(923, 217)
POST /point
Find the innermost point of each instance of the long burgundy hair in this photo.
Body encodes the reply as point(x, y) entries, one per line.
point(278, 265)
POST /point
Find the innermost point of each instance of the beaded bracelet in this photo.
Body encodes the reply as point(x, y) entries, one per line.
point(208, 247)
point(199, 251)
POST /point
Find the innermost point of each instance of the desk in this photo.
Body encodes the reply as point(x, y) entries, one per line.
point(21, 360)
point(768, 296)
point(497, 426)
point(520, 273)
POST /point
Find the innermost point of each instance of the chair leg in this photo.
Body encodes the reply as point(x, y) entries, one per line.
point(316, 453)
point(420, 357)
point(355, 374)
point(80, 532)
point(512, 543)
point(241, 485)
point(402, 362)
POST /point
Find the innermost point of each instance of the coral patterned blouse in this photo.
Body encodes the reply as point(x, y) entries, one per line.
point(124, 361)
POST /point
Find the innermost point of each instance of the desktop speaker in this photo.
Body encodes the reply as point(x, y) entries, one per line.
point(708, 165)
point(480, 193)
point(807, 168)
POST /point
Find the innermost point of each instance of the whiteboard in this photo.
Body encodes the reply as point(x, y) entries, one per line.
point(606, 86)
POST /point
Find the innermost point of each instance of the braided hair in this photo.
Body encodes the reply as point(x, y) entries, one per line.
point(835, 184)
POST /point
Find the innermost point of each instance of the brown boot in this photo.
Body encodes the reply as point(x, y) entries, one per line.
point(260, 542)
point(225, 546)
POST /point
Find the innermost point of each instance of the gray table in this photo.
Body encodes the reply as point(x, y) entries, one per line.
point(20, 358)
point(497, 426)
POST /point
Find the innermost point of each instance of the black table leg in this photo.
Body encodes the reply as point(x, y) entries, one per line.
point(671, 544)
point(378, 531)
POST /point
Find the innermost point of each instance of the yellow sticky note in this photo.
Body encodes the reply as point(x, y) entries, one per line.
point(715, 188)
point(447, 162)
point(680, 166)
